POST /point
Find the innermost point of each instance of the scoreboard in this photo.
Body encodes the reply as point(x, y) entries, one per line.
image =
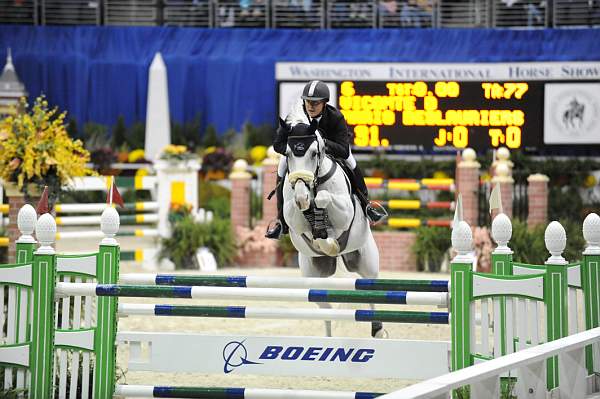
point(480, 105)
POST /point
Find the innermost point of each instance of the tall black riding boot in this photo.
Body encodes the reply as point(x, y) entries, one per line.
point(375, 212)
point(278, 227)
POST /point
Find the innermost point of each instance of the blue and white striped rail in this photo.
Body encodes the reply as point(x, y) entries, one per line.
point(260, 294)
point(149, 391)
point(287, 282)
point(247, 312)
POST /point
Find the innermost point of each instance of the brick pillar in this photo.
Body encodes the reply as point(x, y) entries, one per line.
point(269, 180)
point(240, 194)
point(537, 194)
point(467, 184)
point(507, 185)
point(15, 203)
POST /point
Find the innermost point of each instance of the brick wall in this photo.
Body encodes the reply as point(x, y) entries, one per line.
point(467, 183)
point(260, 259)
point(537, 193)
point(240, 202)
point(269, 175)
point(394, 250)
point(15, 203)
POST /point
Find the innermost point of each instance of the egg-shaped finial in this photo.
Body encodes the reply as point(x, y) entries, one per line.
point(503, 154)
point(45, 231)
point(591, 233)
point(109, 224)
point(555, 238)
point(26, 220)
point(239, 170)
point(502, 232)
point(462, 241)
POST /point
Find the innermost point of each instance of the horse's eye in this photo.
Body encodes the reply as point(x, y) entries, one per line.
point(314, 154)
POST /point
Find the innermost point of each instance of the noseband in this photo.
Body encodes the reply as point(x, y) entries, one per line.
point(299, 149)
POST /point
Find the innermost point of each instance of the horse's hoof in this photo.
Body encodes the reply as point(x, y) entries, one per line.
point(381, 334)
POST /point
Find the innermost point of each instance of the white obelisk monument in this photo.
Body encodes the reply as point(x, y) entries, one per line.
point(158, 127)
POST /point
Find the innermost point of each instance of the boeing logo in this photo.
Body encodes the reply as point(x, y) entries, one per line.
point(235, 354)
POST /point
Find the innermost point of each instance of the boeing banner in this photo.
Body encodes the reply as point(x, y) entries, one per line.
point(286, 356)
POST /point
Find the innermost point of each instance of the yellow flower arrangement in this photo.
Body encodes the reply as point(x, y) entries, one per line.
point(176, 153)
point(258, 154)
point(136, 155)
point(36, 148)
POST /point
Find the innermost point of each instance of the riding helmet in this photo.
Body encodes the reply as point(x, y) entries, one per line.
point(315, 90)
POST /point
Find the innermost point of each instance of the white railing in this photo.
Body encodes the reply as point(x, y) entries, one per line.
point(484, 378)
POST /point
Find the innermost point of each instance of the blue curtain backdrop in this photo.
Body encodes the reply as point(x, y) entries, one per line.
point(99, 73)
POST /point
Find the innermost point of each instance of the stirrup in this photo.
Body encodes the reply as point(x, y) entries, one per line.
point(274, 230)
point(376, 213)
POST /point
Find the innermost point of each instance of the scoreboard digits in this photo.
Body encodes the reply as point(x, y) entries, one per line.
point(439, 114)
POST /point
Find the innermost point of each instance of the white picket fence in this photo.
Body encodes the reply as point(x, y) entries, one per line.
point(530, 366)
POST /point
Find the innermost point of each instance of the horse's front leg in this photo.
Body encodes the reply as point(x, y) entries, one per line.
point(339, 211)
point(339, 208)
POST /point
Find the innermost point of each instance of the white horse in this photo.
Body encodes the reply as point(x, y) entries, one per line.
point(315, 182)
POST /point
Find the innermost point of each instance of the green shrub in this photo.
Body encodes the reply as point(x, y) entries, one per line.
point(188, 236)
point(430, 246)
point(529, 247)
point(215, 198)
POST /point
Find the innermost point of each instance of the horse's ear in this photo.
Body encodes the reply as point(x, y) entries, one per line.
point(283, 125)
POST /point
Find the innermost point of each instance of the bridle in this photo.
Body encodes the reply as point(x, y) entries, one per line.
point(310, 179)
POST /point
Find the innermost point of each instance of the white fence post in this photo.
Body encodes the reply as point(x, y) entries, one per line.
point(573, 374)
point(531, 381)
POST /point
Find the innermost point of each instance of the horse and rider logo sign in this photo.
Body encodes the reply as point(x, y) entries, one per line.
point(571, 113)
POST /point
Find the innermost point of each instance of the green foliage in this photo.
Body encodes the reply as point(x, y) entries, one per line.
point(136, 136)
point(258, 135)
point(287, 249)
point(82, 197)
point(211, 139)
point(567, 177)
point(431, 244)
point(72, 129)
point(94, 135)
point(398, 168)
point(215, 198)
point(188, 236)
point(187, 134)
point(529, 247)
point(256, 205)
point(119, 133)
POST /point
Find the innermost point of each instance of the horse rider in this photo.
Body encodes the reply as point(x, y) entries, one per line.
point(313, 106)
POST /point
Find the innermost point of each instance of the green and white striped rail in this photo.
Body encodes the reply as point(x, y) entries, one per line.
point(256, 294)
point(248, 312)
point(286, 282)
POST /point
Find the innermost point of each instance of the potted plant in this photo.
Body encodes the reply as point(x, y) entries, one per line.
point(36, 151)
point(190, 234)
